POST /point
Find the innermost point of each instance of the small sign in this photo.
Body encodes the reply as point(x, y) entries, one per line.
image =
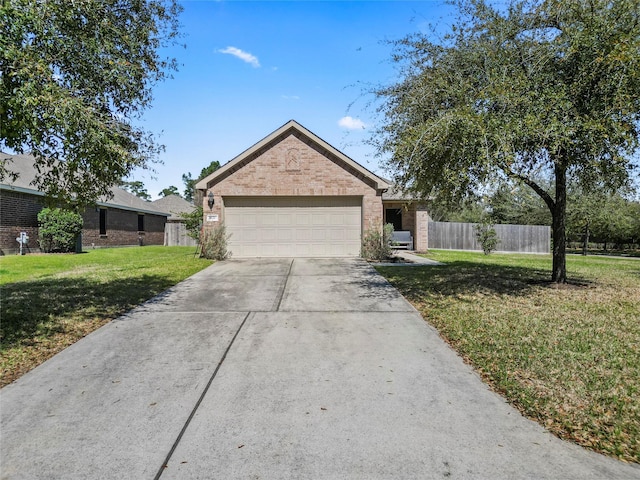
point(212, 217)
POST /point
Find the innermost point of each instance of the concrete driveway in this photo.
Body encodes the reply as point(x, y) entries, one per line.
point(274, 369)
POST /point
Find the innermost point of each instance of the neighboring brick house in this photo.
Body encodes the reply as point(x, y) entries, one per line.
point(120, 221)
point(293, 194)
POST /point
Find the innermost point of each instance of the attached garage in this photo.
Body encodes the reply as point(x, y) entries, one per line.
point(293, 195)
point(294, 226)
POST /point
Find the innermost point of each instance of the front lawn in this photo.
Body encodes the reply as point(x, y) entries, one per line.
point(51, 301)
point(567, 356)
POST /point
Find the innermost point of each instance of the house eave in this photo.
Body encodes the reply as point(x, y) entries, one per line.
point(29, 191)
point(132, 209)
point(14, 188)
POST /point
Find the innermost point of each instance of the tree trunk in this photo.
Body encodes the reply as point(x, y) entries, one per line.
point(559, 213)
point(585, 241)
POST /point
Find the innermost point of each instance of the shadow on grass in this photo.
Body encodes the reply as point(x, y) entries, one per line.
point(41, 308)
point(463, 277)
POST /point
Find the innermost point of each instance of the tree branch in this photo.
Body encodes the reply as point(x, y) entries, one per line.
point(536, 188)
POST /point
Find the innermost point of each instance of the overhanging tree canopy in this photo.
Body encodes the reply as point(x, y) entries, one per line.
point(539, 86)
point(73, 78)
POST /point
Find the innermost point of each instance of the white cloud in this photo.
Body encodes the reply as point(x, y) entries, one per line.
point(290, 97)
point(242, 55)
point(351, 123)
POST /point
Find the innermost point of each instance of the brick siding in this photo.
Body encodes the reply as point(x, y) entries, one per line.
point(122, 229)
point(19, 213)
point(422, 229)
point(414, 219)
point(315, 173)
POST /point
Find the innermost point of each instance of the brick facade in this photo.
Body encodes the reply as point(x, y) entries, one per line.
point(415, 219)
point(293, 165)
point(122, 229)
point(421, 235)
point(19, 213)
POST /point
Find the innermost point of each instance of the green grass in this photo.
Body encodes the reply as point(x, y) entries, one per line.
point(51, 301)
point(567, 356)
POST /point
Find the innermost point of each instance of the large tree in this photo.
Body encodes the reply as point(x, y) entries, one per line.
point(74, 79)
point(532, 88)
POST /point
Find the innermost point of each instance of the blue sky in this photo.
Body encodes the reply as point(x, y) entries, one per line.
point(251, 66)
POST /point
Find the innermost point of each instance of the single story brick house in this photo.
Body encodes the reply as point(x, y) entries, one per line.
point(293, 194)
point(120, 221)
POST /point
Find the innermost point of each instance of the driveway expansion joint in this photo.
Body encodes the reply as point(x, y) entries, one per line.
point(284, 287)
point(202, 395)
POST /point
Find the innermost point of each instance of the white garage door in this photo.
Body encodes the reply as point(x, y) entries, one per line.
point(294, 226)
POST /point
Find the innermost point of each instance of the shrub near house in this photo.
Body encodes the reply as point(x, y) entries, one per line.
point(58, 230)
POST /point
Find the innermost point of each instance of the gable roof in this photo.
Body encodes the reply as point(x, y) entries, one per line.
point(290, 127)
point(23, 165)
point(175, 205)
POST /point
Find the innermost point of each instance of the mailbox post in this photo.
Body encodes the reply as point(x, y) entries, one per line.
point(23, 240)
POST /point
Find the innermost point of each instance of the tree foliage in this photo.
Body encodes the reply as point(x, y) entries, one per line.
point(193, 222)
point(170, 190)
point(190, 182)
point(516, 204)
point(486, 235)
point(536, 87)
point(74, 77)
point(137, 188)
point(602, 217)
point(58, 229)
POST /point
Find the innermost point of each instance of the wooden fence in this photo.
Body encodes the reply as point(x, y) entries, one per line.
point(513, 238)
point(175, 233)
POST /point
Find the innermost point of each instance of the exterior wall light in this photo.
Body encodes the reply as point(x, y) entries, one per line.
point(210, 200)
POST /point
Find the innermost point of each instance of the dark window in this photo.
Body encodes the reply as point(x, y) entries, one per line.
point(394, 217)
point(140, 223)
point(103, 221)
